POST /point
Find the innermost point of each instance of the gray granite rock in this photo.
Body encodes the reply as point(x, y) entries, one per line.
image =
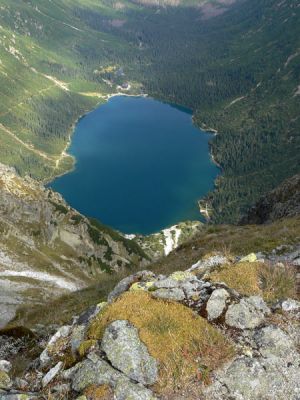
point(175, 294)
point(249, 313)
point(216, 304)
point(290, 305)
point(125, 283)
point(126, 390)
point(256, 378)
point(52, 374)
point(92, 371)
point(5, 366)
point(272, 341)
point(126, 352)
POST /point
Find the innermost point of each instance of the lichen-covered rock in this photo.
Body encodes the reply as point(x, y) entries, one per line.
point(206, 264)
point(249, 313)
point(125, 351)
point(174, 294)
point(249, 258)
point(144, 286)
point(167, 283)
point(180, 276)
point(5, 382)
point(216, 304)
point(89, 314)
point(272, 341)
point(92, 371)
point(125, 283)
point(252, 379)
point(126, 390)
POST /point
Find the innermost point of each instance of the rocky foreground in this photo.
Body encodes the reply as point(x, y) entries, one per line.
point(222, 329)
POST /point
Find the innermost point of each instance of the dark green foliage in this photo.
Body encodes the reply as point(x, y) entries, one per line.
point(130, 245)
point(59, 207)
point(76, 218)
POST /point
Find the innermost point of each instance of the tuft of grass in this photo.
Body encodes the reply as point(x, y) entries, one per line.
point(278, 282)
point(243, 277)
point(272, 282)
point(187, 347)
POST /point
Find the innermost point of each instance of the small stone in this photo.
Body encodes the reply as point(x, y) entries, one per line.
point(175, 294)
point(52, 374)
point(290, 305)
point(128, 354)
point(126, 390)
point(21, 384)
point(250, 258)
point(216, 304)
point(77, 337)
point(5, 366)
point(182, 276)
point(63, 332)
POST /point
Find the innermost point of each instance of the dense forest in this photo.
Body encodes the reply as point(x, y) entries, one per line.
point(237, 67)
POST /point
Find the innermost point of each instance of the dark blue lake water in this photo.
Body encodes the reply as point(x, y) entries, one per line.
point(141, 165)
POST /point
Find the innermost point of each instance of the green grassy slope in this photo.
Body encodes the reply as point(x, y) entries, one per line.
point(48, 79)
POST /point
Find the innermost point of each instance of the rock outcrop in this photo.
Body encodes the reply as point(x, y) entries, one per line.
point(111, 349)
point(47, 248)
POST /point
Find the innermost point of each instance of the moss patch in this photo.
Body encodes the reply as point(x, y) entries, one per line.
point(102, 392)
point(85, 346)
point(185, 345)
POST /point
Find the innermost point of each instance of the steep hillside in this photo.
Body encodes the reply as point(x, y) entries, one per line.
point(48, 248)
point(284, 201)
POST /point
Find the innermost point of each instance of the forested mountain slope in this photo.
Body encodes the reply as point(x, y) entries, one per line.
point(236, 64)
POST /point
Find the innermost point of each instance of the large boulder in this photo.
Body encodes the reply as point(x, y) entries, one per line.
point(125, 351)
point(216, 304)
point(272, 341)
point(252, 379)
point(249, 313)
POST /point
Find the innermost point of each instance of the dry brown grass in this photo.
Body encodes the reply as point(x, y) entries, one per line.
point(243, 277)
point(186, 346)
point(278, 282)
point(272, 282)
